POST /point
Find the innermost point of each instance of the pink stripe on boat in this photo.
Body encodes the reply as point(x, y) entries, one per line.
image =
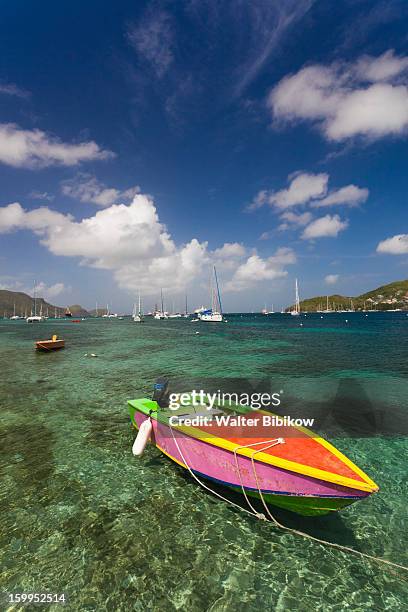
point(219, 464)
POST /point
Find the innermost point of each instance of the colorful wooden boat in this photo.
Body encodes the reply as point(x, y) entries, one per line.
point(50, 345)
point(290, 467)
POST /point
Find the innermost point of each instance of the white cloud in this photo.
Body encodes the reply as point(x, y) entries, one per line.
point(130, 241)
point(302, 188)
point(309, 190)
point(50, 292)
point(338, 99)
point(43, 290)
point(86, 188)
point(13, 217)
point(230, 250)
point(261, 198)
point(11, 89)
point(350, 195)
point(396, 245)
point(292, 219)
point(379, 110)
point(228, 256)
point(328, 226)
point(331, 279)
point(265, 25)
point(41, 195)
point(36, 149)
point(256, 269)
point(381, 68)
point(153, 40)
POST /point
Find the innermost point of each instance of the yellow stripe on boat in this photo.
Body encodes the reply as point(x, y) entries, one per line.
point(285, 464)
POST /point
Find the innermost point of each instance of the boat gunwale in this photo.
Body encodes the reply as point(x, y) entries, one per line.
point(366, 485)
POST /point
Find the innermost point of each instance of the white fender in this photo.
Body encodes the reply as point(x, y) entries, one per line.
point(142, 437)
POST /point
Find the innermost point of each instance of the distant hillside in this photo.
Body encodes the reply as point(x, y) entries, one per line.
point(99, 312)
point(386, 297)
point(25, 304)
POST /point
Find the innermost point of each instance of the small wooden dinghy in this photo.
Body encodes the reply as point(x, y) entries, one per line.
point(50, 345)
point(289, 467)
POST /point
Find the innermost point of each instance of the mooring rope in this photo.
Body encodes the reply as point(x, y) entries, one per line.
point(261, 516)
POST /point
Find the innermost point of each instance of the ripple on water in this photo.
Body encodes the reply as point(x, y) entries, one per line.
point(81, 515)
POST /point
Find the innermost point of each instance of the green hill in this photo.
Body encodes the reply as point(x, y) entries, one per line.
point(387, 297)
point(24, 304)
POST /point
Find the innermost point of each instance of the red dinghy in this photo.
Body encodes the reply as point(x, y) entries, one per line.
point(50, 345)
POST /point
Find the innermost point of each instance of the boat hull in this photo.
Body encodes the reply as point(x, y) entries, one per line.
point(298, 493)
point(49, 345)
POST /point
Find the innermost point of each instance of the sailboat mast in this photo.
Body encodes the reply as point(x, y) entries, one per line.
point(140, 306)
point(297, 305)
point(186, 306)
point(218, 290)
point(162, 304)
point(35, 300)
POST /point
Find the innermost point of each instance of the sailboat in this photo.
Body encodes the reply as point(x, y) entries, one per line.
point(185, 315)
point(327, 306)
point(215, 313)
point(67, 313)
point(160, 314)
point(296, 311)
point(34, 318)
point(138, 315)
point(14, 317)
point(108, 314)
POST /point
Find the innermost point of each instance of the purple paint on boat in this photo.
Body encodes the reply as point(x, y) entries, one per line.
point(219, 464)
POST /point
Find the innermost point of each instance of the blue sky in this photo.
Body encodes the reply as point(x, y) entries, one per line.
point(139, 144)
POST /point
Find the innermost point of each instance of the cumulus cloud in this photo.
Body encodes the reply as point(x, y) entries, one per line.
point(382, 68)
point(396, 245)
point(227, 256)
point(331, 279)
point(130, 241)
point(86, 188)
point(346, 100)
point(302, 188)
point(306, 188)
point(256, 269)
point(351, 195)
point(13, 217)
point(309, 190)
point(52, 291)
point(35, 149)
point(328, 226)
point(293, 220)
point(43, 290)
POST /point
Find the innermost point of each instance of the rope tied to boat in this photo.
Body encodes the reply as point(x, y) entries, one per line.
point(261, 516)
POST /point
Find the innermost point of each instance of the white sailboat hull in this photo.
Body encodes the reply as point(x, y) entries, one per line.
point(214, 317)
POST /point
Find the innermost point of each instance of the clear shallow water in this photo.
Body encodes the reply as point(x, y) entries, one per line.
point(80, 515)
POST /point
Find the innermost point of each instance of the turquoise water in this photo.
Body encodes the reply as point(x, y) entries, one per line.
point(81, 516)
